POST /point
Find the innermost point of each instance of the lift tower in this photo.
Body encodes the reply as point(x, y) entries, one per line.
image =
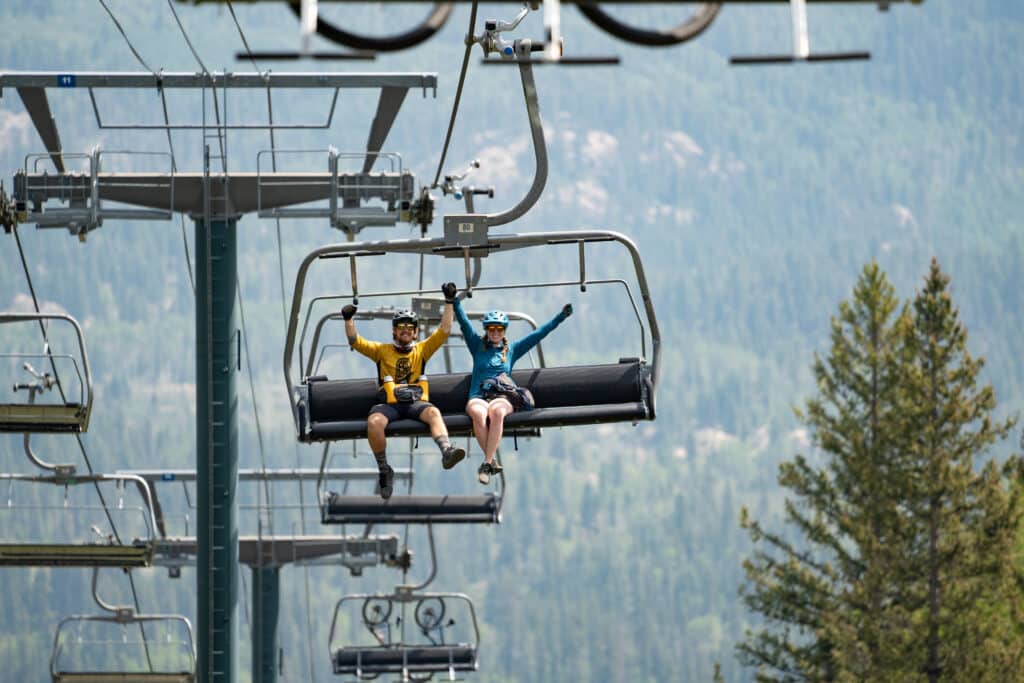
point(215, 198)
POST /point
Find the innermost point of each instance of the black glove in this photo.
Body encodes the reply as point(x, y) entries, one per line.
point(566, 310)
point(449, 290)
point(348, 311)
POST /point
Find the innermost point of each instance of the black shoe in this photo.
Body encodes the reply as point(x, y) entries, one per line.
point(451, 456)
point(483, 474)
point(386, 480)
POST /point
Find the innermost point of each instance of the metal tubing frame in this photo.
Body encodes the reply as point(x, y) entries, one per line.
point(74, 479)
point(540, 152)
point(25, 317)
point(123, 619)
point(404, 596)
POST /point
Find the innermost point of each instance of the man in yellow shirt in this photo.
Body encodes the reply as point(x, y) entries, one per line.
point(401, 362)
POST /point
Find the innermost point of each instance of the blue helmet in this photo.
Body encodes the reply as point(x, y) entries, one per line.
point(496, 318)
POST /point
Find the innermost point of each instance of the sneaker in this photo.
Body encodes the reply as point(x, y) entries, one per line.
point(483, 473)
point(386, 480)
point(451, 456)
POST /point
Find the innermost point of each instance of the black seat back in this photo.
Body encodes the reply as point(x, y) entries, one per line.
point(351, 399)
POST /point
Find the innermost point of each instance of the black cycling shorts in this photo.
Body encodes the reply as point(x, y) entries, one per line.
point(399, 411)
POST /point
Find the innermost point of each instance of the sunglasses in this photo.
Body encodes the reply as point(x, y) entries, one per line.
point(405, 326)
point(495, 328)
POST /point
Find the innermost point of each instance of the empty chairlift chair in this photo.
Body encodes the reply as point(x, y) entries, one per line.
point(123, 647)
point(405, 633)
point(91, 533)
point(326, 409)
point(59, 397)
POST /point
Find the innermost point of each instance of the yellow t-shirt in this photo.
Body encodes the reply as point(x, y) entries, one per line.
point(405, 368)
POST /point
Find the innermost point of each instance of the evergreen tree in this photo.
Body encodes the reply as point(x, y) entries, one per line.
point(955, 603)
point(904, 568)
point(842, 510)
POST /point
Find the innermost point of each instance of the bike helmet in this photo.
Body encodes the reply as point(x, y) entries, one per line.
point(496, 318)
point(405, 316)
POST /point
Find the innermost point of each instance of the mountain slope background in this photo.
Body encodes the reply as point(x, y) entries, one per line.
point(755, 196)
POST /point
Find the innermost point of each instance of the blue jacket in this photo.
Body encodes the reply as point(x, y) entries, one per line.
point(487, 360)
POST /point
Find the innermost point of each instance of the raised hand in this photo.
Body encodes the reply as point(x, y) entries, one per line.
point(449, 290)
point(566, 310)
point(348, 311)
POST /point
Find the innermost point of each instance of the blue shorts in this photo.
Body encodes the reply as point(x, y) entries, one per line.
point(399, 411)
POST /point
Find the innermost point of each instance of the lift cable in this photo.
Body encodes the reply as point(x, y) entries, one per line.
point(252, 390)
point(213, 85)
point(170, 143)
point(458, 92)
point(241, 33)
point(56, 376)
point(35, 303)
point(125, 36)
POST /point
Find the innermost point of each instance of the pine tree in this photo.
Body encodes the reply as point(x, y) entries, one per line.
point(903, 570)
point(842, 511)
point(953, 591)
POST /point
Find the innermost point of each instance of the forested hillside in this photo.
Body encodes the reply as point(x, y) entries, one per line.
point(756, 195)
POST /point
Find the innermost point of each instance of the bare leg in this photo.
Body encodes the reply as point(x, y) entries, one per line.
point(496, 411)
point(477, 411)
point(375, 426)
point(432, 418)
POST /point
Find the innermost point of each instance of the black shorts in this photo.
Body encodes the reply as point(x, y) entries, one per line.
point(399, 411)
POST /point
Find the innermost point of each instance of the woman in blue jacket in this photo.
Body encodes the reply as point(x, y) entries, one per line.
point(494, 355)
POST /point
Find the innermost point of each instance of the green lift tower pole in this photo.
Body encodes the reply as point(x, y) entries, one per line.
point(217, 361)
point(265, 601)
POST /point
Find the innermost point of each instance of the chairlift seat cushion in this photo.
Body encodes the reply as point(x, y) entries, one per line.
point(370, 660)
point(42, 418)
point(341, 509)
point(564, 396)
point(136, 554)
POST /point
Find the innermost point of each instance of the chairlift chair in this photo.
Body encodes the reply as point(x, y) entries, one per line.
point(71, 413)
point(103, 550)
point(393, 645)
point(327, 409)
point(80, 657)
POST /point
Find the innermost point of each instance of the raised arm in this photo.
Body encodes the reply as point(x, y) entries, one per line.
point(521, 346)
point(357, 343)
point(449, 290)
point(473, 341)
